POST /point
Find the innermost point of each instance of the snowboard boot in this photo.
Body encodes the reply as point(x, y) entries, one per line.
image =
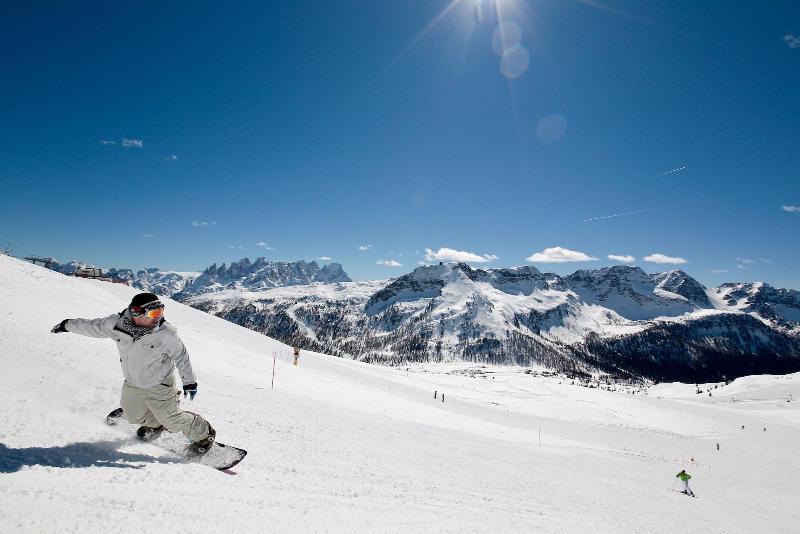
point(146, 433)
point(199, 448)
point(114, 417)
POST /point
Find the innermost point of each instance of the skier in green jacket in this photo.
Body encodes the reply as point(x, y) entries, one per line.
point(684, 476)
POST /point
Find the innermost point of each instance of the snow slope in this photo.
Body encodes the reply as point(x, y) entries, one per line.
point(342, 446)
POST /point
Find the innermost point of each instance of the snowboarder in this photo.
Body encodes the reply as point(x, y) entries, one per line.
point(296, 354)
point(149, 349)
point(684, 476)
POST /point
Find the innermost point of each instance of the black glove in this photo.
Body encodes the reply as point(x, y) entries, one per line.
point(57, 329)
point(190, 389)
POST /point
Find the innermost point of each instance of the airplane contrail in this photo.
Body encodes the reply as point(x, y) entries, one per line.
point(646, 210)
point(671, 206)
point(670, 172)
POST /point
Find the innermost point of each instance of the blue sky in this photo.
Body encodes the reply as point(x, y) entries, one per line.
point(178, 134)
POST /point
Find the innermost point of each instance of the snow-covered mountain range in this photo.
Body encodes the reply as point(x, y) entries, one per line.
point(240, 275)
point(619, 320)
point(262, 274)
point(155, 280)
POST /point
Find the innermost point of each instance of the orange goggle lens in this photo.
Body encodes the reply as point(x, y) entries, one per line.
point(154, 313)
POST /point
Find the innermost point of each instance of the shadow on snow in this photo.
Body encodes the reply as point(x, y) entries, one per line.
point(85, 454)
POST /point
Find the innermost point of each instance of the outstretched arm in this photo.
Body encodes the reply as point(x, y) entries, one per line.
point(100, 327)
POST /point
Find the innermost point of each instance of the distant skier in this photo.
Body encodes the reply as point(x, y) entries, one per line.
point(684, 476)
point(149, 349)
point(296, 351)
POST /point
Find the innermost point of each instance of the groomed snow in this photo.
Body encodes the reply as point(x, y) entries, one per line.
point(341, 446)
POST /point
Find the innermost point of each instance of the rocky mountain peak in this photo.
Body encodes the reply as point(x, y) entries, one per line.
point(263, 274)
point(680, 283)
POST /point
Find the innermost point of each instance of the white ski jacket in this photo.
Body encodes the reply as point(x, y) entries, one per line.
point(147, 361)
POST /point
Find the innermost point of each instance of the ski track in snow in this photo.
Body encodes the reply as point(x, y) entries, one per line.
point(341, 446)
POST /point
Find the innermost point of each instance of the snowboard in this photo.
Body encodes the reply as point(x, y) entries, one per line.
point(687, 494)
point(219, 456)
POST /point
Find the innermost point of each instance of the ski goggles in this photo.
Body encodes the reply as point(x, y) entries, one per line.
point(153, 310)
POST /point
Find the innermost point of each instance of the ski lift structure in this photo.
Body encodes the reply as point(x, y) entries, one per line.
point(48, 263)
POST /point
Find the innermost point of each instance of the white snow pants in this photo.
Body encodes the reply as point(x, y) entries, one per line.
point(158, 405)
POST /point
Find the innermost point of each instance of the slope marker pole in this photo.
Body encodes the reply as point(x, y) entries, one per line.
point(273, 370)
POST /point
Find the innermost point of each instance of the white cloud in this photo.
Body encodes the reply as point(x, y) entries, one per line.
point(262, 245)
point(172, 157)
point(622, 258)
point(362, 248)
point(792, 209)
point(718, 271)
point(448, 254)
point(389, 263)
point(325, 258)
point(147, 236)
point(138, 143)
point(203, 224)
point(559, 255)
point(746, 263)
point(421, 263)
point(236, 247)
point(126, 142)
point(661, 258)
point(792, 41)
